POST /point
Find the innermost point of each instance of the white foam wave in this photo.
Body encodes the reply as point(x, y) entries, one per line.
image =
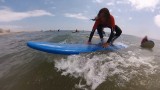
point(97, 68)
point(122, 44)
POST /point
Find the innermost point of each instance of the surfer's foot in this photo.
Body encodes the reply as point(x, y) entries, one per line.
point(112, 44)
point(100, 43)
point(102, 40)
point(105, 45)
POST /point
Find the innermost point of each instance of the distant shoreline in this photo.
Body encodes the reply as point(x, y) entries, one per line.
point(5, 33)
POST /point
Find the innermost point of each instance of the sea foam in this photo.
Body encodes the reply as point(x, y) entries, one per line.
point(95, 69)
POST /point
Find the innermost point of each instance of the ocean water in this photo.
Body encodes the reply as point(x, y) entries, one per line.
point(23, 68)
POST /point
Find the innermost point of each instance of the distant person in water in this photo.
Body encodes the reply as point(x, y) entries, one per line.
point(146, 43)
point(105, 19)
point(145, 39)
point(77, 30)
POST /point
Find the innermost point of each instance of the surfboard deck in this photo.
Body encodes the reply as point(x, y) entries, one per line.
point(69, 49)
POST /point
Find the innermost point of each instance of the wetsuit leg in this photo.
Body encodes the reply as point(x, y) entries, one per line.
point(110, 37)
point(99, 29)
point(118, 33)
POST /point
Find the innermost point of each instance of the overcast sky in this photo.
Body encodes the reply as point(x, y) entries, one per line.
point(135, 17)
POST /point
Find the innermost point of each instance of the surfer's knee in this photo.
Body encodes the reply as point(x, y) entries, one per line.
point(118, 31)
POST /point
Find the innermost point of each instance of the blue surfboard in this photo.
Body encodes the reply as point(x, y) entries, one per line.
point(69, 49)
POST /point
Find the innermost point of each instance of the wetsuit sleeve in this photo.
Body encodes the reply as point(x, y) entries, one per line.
point(95, 25)
point(93, 30)
point(91, 35)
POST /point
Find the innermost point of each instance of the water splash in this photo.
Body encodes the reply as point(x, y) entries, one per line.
point(95, 69)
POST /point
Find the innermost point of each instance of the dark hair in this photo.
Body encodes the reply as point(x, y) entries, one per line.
point(104, 10)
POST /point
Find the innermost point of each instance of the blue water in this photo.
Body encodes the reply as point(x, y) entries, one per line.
point(23, 68)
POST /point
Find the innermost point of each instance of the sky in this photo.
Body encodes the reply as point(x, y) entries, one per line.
point(134, 17)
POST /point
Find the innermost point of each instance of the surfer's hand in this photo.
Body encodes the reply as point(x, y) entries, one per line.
point(105, 45)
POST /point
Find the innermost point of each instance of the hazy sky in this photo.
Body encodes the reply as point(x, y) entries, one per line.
point(135, 17)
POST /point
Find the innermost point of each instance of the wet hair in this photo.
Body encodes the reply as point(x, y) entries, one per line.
point(104, 10)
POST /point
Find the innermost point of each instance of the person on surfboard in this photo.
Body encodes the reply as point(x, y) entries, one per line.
point(105, 19)
point(145, 39)
point(146, 43)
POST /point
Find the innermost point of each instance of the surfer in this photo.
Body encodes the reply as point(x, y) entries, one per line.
point(105, 19)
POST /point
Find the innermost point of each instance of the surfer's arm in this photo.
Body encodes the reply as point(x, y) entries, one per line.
point(91, 35)
point(94, 19)
point(93, 30)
